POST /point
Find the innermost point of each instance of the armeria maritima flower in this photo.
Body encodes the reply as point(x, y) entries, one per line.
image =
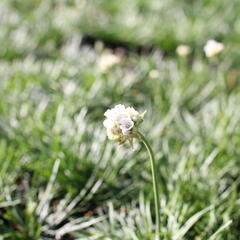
point(183, 50)
point(108, 60)
point(213, 48)
point(121, 123)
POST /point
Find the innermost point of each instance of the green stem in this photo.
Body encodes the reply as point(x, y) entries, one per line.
point(155, 183)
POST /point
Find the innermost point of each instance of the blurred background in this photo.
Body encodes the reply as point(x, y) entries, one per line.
point(63, 63)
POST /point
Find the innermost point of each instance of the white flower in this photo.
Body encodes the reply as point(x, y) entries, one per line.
point(108, 123)
point(154, 73)
point(134, 115)
point(113, 133)
point(107, 60)
point(126, 124)
point(213, 48)
point(120, 122)
point(183, 50)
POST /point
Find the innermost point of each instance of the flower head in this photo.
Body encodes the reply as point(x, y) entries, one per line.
point(107, 60)
point(183, 50)
point(213, 48)
point(121, 123)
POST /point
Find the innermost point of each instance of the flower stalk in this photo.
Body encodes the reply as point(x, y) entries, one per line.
point(155, 182)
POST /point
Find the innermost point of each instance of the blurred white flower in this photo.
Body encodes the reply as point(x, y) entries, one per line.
point(213, 48)
point(183, 50)
point(154, 73)
point(121, 121)
point(107, 60)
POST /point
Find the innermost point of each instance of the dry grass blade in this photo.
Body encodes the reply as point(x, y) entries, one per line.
point(74, 226)
point(190, 222)
point(10, 203)
point(221, 229)
point(43, 206)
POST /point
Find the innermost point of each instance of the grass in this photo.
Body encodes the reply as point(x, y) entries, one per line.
point(164, 24)
point(61, 178)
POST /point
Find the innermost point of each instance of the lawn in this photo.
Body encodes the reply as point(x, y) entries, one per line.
point(63, 64)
